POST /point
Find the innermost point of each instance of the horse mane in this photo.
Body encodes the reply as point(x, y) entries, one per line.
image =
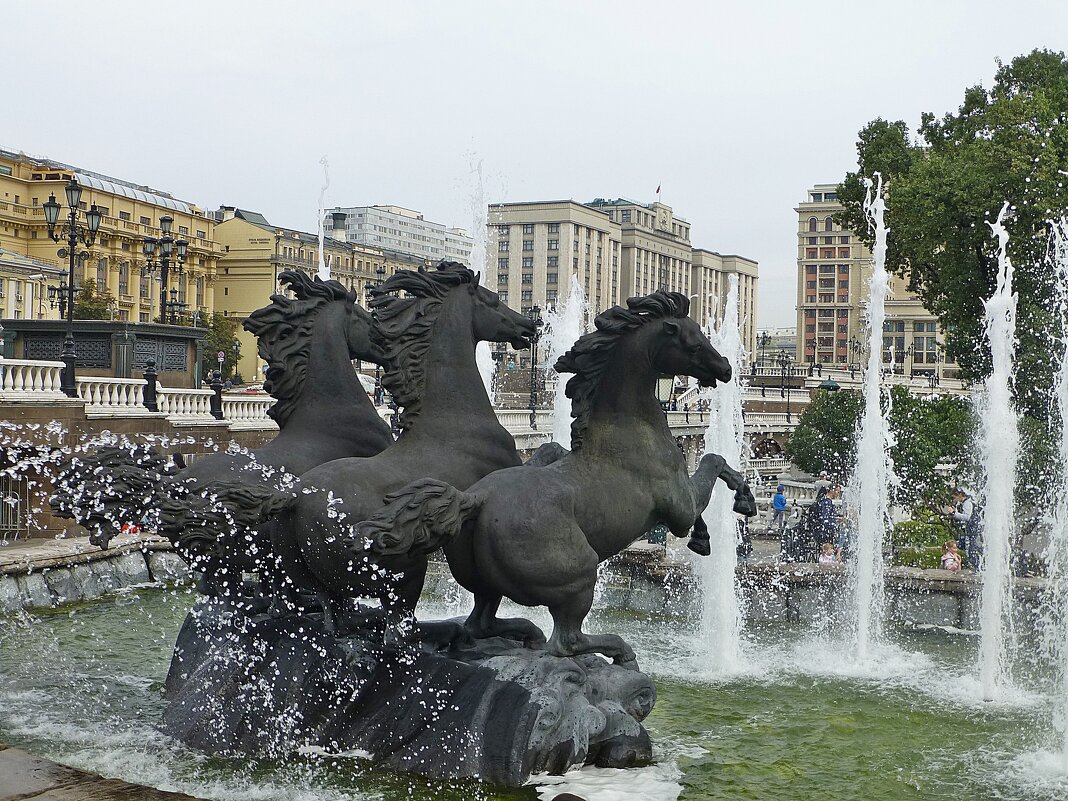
point(589, 356)
point(284, 333)
point(403, 324)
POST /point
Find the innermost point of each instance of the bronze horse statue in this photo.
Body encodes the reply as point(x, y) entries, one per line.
point(536, 534)
point(208, 508)
point(449, 432)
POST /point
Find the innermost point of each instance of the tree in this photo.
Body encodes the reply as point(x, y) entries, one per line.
point(92, 304)
point(1008, 143)
point(825, 438)
point(928, 431)
point(222, 336)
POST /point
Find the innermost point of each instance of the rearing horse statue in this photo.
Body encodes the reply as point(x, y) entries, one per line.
point(537, 533)
point(450, 432)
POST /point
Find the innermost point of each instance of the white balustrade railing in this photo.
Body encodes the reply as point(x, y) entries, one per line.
point(765, 420)
point(248, 411)
point(30, 379)
point(185, 405)
point(112, 397)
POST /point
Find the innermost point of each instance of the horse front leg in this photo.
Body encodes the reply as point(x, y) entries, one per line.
point(569, 613)
point(702, 482)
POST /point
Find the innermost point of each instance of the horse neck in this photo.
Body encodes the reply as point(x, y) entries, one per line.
point(453, 391)
point(626, 402)
point(332, 396)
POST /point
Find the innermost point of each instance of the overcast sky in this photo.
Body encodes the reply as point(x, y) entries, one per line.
point(734, 108)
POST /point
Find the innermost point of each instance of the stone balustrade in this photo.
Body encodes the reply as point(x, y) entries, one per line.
point(185, 406)
point(248, 411)
point(112, 397)
point(21, 379)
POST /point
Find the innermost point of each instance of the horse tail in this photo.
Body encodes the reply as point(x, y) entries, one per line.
point(419, 519)
point(109, 489)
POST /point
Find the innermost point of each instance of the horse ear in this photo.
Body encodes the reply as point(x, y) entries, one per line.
point(671, 328)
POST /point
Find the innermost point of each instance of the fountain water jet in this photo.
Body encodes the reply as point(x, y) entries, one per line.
point(719, 645)
point(324, 271)
point(873, 474)
point(565, 324)
point(1056, 555)
point(999, 446)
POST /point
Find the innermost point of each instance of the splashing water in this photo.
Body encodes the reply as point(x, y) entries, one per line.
point(719, 645)
point(487, 367)
point(873, 474)
point(999, 446)
point(565, 325)
point(1055, 630)
point(324, 271)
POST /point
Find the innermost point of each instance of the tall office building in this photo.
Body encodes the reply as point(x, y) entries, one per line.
point(833, 271)
point(710, 281)
point(398, 229)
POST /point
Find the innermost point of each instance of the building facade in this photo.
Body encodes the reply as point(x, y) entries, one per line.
point(401, 230)
point(616, 249)
point(115, 263)
point(256, 252)
point(710, 281)
point(833, 272)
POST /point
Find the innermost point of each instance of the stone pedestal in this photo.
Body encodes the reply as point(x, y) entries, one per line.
point(496, 711)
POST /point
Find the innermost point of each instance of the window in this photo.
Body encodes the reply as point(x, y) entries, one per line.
point(528, 278)
point(526, 296)
point(843, 269)
point(826, 268)
point(827, 283)
point(528, 261)
point(124, 278)
point(827, 297)
point(810, 269)
point(503, 296)
point(552, 261)
point(843, 283)
point(830, 197)
point(554, 244)
point(204, 235)
point(146, 221)
point(826, 312)
point(502, 247)
point(101, 275)
point(828, 240)
point(502, 264)
point(813, 224)
point(810, 298)
point(810, 285)
point(124, 215)
point(183, 229)
point(502, 230)
point(843, 329)
point(813, 240)
point(843, 253)
point(554, 228)
point(528, 229)
point(550, 278)
point(502, 279)
point(528, 244)
point(843, 240)
point(810, 313)
point(145, 284)
point(826, 253)
point(626, 215)
point(843, 314)
point(828, 225)
point(550, 296)
point(811, 253)
point(200, 290)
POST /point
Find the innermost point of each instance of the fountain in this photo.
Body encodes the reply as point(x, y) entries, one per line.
point(999, 446)
point(873, 475)
point(324, 270)
point(719, 642)
point(565, 324)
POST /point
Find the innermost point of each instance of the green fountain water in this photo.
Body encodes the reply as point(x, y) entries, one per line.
point(82, 685)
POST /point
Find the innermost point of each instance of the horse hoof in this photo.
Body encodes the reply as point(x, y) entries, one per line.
point(701, 547)
point(628, 662)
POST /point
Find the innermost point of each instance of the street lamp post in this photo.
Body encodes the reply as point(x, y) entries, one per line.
point(785, 361)
point(811, 348)
point(380, 394)
point(763, 340)
point(535, 316)
point(168, 247)
point(73, 235)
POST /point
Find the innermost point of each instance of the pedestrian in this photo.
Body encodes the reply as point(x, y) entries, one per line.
point(964, 513)
point(778, 505)
point(825, 516)
point(674, 405)
point(826, 556)
point(950, 556)
point(686, 409)
point(823, 482)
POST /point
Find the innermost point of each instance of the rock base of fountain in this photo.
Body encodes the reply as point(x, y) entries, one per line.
point(257, 684)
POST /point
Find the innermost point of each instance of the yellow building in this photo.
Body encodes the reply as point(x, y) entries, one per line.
point(254, 253)
point(115, 263)
point(710, 281)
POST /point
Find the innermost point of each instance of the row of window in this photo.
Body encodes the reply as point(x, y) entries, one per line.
point(829, 240)
point(827, 253)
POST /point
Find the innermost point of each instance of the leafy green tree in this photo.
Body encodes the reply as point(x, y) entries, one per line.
point(928, 431)
point(1006, 143)
point(825, 438)
point(222, 335)
point(92, 304)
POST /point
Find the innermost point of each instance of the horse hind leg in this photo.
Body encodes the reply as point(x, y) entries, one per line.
point(570, 640)
point(483, 622)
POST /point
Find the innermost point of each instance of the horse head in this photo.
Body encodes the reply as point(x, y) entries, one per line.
point(494, 321)
point(679, 345)
point(358, 336)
